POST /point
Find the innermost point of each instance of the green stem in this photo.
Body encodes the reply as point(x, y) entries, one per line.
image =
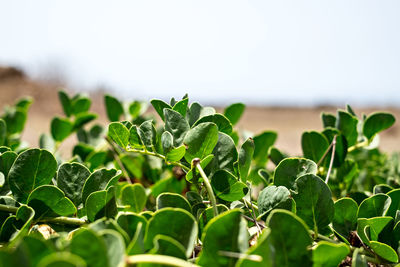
point(250, 203)
point(158, 259)
point(57, 220)
point(208, 186)
point(149, 153)
point(359, 145)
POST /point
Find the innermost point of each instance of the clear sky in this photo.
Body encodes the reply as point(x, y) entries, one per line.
point(264, 52)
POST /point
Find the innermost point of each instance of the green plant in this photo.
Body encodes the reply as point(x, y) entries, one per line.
point(182, 190)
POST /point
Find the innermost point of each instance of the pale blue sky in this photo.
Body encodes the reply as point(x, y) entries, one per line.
point(264, 52)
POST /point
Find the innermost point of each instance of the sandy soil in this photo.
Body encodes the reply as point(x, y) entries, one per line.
point(289, 122)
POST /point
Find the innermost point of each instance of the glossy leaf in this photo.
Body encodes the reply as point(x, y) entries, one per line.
point(246, 153)
point(329, 254)
point(374, 206)
point(227, 186)
point(32, 168)
point(223, 124)
point(345, 218)
point(347, 124)
point(177, 125)
point(114, 108)
point(224, 233)
point(119, 134)
point(376, 123)
point(234, 111)
point(159, 106)
point(314, 145)
point(71, 178)
point(384, 251)
point(313, 201)
point(200, 141)
point(289, 169)
point(225, 154)
point(273, 197)
point(101, 204)
point(148, 134)
point(60, 128)
point(134, 195)
point(262, 143)
point(172, 200)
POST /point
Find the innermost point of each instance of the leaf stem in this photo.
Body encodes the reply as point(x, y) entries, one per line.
point(359, 145)
point(210, 191)
point(57, 220)
point(332, 158)
point(159, 259)
point(149, 153)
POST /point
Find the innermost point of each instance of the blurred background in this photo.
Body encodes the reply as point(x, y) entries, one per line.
point(287, 60)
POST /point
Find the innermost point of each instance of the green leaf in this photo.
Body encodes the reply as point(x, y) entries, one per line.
point(207, 214)
point(225, 154)
point(328, 120)
point(65, 102)
point(329, 254)
point(101, 204)
point(119, 134)
point(135, 196)
point(165, 245)
point(129, 222)
point(32, 168)
point(172, 200)
point(176, 154)
point(340, 147)
point(83, 118)
point(384, 251)
point(234, 111)
point(290, 239)
point(313, 201)
point(135, 109)
point(6, 161)
point(181, 106)
point(90, 247)
point(194, 112)
point(159, 106)
point(289, 169)
point(347, 124)
point(262, 143)
point(47, 142)
point(370, 229)
point(64, 259)
point(225, 233)
point(276, 155)
point(263, 249)
point(314, 145)
point(374, 206)
point(49, 201)
point(345, 218)
point(358, 259)
point(80, 105)
point(115, 247)
point(200, 141)
point(134, 138)
point(3, 132)
point(15, 119)
point(246, 153)
point(148, 134)
point(394, 204)
point(167, 142)
point(71, 178)
point(114, 108)
point(35, 247)
point(227, 187)
point(17, 226)
point(100, 180)
point(273, 197)
point(177, 125)
point(377, 122)
point(176, 223)
point(223, 124)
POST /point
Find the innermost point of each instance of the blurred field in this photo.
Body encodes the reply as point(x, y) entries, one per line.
point(289, 122)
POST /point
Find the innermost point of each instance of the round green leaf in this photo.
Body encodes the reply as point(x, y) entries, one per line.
point(234, 111)
point(345, 218)
point(314, 145)
point(377, 122)
point(114, 108)
point(119, 134)
point(159, 106)
point(172, 200)
point(227, 186)
point(329, 254)
point(177, 125)
point(49, 201)
point(262, 143)
point(176, 223)
point(374, 206)
point(200, 141)
point(60, 128)
point(32, 168)
point(384, 251)
point(313, 201)
point(135, 196)
point(70, 179)
point(273, 197)
point(225, 233)
point(290, 239)
point(289, 169)
point(347, 124)
point(220, 120)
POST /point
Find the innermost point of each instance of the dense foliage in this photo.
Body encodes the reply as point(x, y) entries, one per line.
point(189, 189)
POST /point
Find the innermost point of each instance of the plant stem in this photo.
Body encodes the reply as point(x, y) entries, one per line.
point(57, 220)
point(332, 158)
point(149, 153)
point(159, 259)
point(325, 153)
point(210, 191)
point(7, 208)
point(359, 145)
